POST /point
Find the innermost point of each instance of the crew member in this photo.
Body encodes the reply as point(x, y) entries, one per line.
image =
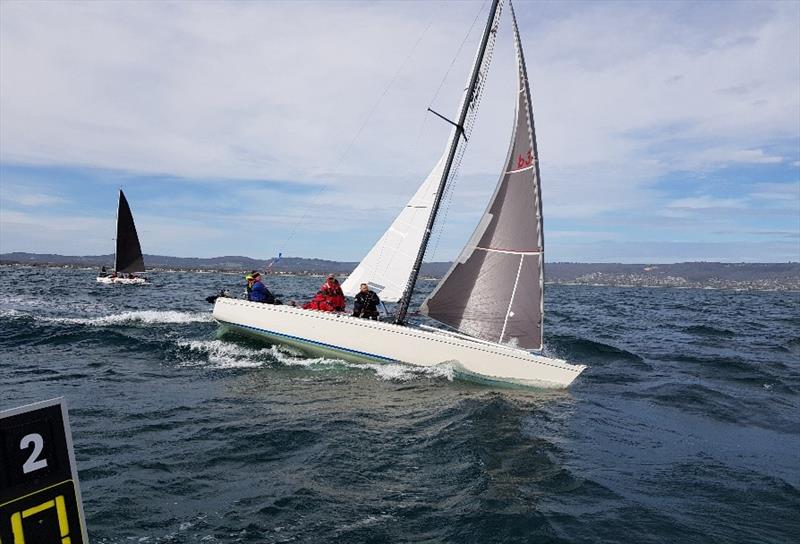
point(333, 291)
point(249, 288)
point(329, 298)
point(259, 291)
point(366, 303)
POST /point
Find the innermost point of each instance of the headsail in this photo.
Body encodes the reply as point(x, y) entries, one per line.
point(455, 149)
point(494, 290)
point(392, 266)
point(129, 252)
point(387, 266)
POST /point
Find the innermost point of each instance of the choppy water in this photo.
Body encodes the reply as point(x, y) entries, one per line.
point(685, 428)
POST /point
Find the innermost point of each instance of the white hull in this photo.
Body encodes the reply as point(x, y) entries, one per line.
point(125, 281)
point(360, 339)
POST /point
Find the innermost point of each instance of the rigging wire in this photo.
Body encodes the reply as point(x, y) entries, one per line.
point(377, 263)
point(444, 78)
point(469, 125)
point(458, 52)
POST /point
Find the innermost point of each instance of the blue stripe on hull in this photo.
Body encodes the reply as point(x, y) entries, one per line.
point(300, 342)
point(306, 342)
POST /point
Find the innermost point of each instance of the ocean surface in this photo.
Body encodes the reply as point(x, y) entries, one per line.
point(684, 428)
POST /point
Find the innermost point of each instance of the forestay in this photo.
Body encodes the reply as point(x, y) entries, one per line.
point(387, 266)
point(129, 252)
point(494, 290)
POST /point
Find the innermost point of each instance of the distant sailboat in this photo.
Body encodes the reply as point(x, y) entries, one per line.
point(493, 294)
point(128, 256)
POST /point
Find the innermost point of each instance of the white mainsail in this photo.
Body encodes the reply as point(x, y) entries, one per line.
point(494, 291)
point(387, 266)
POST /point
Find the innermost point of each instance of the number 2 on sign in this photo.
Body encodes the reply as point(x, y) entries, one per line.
point(523, 161)
point(33, 463)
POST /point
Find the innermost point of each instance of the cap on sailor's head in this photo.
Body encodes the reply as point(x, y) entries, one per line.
point(248, 277)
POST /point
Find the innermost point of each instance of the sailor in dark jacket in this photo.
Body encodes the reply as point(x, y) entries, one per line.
point(366, 303)
point(259, 291)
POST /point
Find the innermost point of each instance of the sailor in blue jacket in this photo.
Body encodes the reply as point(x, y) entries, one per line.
point(259, 291)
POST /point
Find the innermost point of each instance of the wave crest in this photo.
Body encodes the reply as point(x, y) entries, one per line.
point(145, 317)
point(221, 354)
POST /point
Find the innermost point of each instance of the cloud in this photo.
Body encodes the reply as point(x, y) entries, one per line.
point(717, 156)
point(28, 199)
point(638, 251)
point(706, 202)
point(739, 90)
point(241, 95)
point(46, 233)
point(777, 195)
point(277, 90)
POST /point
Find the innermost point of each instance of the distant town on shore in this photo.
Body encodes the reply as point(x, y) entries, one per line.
point(749, 276)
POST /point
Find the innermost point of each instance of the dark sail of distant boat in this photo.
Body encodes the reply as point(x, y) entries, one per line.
point(129, 253)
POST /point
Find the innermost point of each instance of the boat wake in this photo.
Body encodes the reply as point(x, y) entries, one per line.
point(226, 355)
point(141, 317)
point(146, 317)
point(219, 354)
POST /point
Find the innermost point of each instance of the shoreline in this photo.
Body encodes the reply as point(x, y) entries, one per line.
point(791, 285)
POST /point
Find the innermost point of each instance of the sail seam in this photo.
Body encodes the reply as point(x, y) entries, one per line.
point(520, 170)
point(510, 251)
point(510, 302)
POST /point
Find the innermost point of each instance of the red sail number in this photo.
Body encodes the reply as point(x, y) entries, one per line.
point(523, 161)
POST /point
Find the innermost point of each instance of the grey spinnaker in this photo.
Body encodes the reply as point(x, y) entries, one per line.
point(129, 252)
point(494, 290)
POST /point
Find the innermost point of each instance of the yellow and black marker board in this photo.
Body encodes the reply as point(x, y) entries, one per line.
point(40, 501)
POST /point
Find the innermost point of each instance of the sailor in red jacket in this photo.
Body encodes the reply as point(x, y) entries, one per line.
point(329, 298)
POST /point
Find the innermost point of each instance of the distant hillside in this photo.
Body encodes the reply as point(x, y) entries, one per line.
point(697, 274)
point(690, 272)
point(227, 263)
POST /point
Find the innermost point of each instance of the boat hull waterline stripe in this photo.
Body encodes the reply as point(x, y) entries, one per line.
point(364, 353)
point(351, 338)
point(462, 371)
point(308, 341)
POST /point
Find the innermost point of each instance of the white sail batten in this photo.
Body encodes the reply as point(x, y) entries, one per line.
point(492, 291)
point(388, 264)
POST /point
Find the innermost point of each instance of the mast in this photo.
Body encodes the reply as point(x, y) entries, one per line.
point(405, 301)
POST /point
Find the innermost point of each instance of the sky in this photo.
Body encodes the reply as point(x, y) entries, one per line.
point(667, 131)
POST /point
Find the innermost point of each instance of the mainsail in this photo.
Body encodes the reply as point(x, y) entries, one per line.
point(387, 266)
point(494, 290)
point(129, 253)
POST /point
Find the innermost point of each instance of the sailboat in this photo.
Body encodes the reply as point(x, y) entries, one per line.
point(491, 299)
point(128, 255)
